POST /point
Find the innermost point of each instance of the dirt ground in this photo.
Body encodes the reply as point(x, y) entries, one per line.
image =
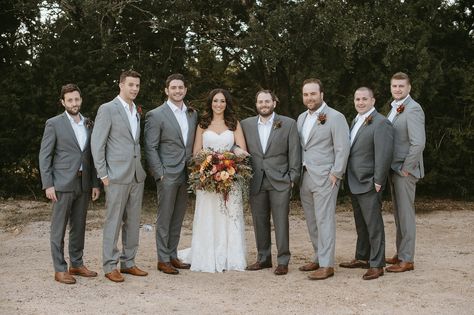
point(442, 282)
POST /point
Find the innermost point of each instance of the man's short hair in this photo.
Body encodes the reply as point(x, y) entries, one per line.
point(68, 88)
point(274, 97)
point(401, 76)
point(314, 80)
point(174, 76)
point(364, 88)
point(129, 73)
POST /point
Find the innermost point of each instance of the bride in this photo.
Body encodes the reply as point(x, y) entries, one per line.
point(218, 241)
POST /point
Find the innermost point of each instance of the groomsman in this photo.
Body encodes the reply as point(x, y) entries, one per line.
point(408, 121)
point(116, 150)
point(169, 139)
point(367, 170)
point(273, 143)
point(324, 137)
point(69, 180)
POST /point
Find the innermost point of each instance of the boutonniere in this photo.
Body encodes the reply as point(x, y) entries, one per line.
point(400, 109)
point(139, 110)
point(368, 120)
point(190, 110)
point(89, 123)
point(322, 118)
point(276, 124)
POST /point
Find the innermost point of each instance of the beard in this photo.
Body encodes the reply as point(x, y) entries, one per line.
point(265, 113)
point(74, 111)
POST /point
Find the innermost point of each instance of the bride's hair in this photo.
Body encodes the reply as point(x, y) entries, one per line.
point(229, 116)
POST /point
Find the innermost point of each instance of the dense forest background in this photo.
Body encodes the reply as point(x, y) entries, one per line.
point(241, 45)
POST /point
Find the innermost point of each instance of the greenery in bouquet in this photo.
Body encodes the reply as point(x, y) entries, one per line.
point(219, 172)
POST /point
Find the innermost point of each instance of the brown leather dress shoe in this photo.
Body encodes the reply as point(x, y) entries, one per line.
point(82, 271)
point(281, 270)
point(258, 266)
point(322, 273)
point(115, 276)
point(167, 268)
point(373, 273)
point(179, 264)
point(64, 277)
point(393, 261)
point(309, 267)
point(355, 263)
point(134, 271)
point(401, 267)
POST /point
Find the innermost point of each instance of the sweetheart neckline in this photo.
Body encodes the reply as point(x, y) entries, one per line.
point(217, 132)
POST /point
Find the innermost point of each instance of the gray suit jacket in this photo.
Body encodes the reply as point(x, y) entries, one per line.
point(60, 156)
point(409, 139)
point(282, 158)
point(327, 148)
point(371, 154)
point(116, 152)
point(165, 150)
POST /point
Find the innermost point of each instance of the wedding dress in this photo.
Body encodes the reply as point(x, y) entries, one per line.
point(218, 240)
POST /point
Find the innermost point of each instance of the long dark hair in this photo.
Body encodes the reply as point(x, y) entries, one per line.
point(229, 116)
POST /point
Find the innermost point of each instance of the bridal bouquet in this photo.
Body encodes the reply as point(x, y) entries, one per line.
point(218, 172)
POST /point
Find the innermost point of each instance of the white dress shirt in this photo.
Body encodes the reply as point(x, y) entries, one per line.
point(80, 132)
point(132, 116)
point(309, 122)
point(264, 129)
point(395, 105)
point(360, 119)
point(180, 114)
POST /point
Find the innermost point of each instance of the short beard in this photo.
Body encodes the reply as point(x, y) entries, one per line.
point(73, 114)
point(265, 115)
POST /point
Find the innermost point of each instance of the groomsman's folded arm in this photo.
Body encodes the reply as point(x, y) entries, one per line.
point(417, 138)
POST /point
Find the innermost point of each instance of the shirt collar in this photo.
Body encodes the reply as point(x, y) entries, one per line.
point(269, 121)
point(124, 104)
point(81, 122)
point(398, 103)
point(175, 108)
point(320, 109)
point(364, 116)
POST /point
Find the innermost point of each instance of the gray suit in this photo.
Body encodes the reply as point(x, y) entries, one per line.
point(270, 188)
point(325, 153)
point(167, 158)
point(369, 164)
point(117, 155)
point(60, 159)
point(409, 143)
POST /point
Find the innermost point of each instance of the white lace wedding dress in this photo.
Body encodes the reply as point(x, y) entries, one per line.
point(218, 241)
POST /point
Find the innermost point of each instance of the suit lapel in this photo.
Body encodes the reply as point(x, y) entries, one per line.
point(67, 126)
point(191, 127)
point(276, 119)
point(363, 126)
point(124, 116)
point(174, 122)
point(317, 123)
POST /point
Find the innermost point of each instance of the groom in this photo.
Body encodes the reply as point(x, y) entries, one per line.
point(169, 138)
point(273, 143)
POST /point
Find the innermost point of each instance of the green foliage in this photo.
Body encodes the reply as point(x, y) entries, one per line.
point(243, 46)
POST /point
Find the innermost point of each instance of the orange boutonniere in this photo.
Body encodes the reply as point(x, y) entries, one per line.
point(277, 124)
point(400, 109)
point(322, 118)
point(368, 120)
